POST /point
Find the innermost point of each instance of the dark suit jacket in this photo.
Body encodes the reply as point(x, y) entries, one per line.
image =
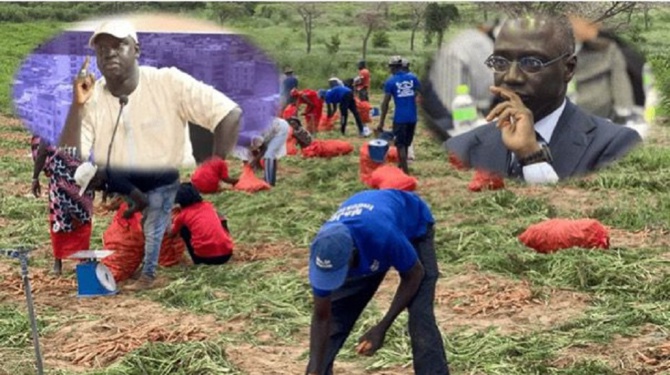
point(581, 143)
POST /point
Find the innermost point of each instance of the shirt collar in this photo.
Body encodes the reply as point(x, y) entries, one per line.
point(547, 125)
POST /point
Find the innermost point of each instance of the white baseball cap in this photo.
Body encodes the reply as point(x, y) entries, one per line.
point(83, 176)
point(117, 28)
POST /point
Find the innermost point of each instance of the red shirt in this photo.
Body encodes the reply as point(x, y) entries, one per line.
point(207, 176)
point(208, 237)
point(313, 97)
point(365, 78)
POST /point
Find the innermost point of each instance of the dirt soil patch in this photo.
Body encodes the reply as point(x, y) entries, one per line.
point(477, 301)
point(295, 258)
point(100, 330)
point(566, 198)
point(289, 360)
point(647, 353)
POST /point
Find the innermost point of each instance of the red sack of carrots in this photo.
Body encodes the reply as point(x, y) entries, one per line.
point(249, 183)
point(327, 148)
point(555, 234)
point(392, 177)
point(207, 176)
point(364, 108)
point(327, 124)
point(366, 165)
point(483, 180)
point(172, 248)
point(291, 143)
point(126, 238)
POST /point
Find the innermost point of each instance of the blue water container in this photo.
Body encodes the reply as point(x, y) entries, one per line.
point(378, 149)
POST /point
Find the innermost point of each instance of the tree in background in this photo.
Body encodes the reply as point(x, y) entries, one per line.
point(418, 14)
point(222, 12)
point(309, 12)
point(371, 19)
point(334, 46)
point(596, 11)
point(439, 17)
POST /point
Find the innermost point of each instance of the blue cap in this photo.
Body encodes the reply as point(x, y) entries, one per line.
point(329, 257)
point(322, 93)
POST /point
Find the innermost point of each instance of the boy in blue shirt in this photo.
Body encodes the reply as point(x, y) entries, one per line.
point(371, 232)
point(403, 87)
point(343, 96)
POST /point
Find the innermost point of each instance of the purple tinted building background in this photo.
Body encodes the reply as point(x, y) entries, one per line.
point(42, 89)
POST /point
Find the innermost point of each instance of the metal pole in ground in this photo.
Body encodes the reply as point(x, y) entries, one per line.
point(22, 255)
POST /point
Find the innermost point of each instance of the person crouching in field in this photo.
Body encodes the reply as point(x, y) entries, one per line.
point(269, 146)
point(203, 230)
point(301, 135)
point(70, 213)
point(208, 176)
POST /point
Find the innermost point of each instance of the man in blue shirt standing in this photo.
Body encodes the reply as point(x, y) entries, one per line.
point(403, 87)
point(371, 232)
point(289, 83)
point(344, 96)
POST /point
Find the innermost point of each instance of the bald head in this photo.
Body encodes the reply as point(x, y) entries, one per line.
point(557, 29)
point(548, 39)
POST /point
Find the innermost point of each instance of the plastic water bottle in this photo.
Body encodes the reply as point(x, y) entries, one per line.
point(651, 95)
point(464, 110)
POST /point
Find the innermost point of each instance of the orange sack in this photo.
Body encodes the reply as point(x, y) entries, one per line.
point(364, 108)
point(556, 234)
point(327, 148)
point(249, 182)
point(126, 239)
point(291, 143)
point(392, 177)
point(483, 180)
point(367, 165)
point(172, 248)
point(328, 124)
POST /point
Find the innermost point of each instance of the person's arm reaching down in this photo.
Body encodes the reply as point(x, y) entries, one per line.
point(40, 161)
point(319, 335)
point(384, 111)
point(410, 281)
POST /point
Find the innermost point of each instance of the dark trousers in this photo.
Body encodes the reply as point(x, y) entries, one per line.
point(185, 234)
point(349, 104)
point(363, 95)
point(351, 298)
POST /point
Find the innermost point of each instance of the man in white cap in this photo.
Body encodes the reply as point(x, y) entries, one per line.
point(371, 232)
point(134, 117)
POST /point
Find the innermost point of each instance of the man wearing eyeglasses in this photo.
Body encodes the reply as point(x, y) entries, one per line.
point(536, 133)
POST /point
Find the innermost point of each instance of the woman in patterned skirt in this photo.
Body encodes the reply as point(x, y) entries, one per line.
point(70, 215)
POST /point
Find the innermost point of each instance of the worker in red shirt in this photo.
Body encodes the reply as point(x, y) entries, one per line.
point(313, 109)
point(364, 83)
point(204, 231)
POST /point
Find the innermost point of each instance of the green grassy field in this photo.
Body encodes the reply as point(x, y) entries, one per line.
point(502, 308)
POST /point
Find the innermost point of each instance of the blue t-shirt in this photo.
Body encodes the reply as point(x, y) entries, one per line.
point(290, 83)
point(336, 94)
point(382, 224)
point(403, 87)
